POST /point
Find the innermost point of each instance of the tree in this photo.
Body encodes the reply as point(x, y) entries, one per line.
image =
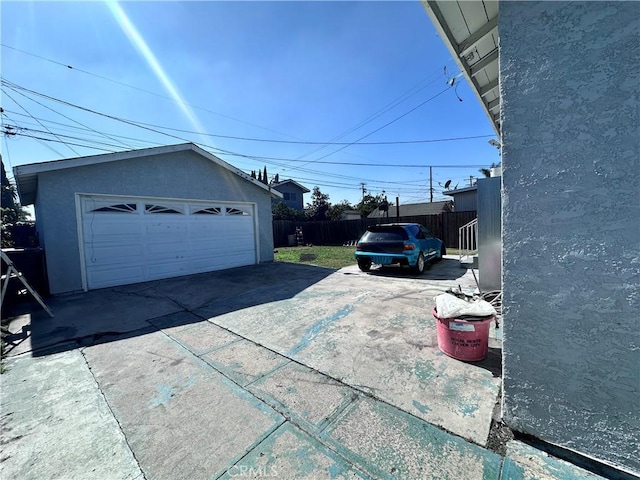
point(281, 211)
point(335, 211)
point(368, 204)
point(11, 211)
point(317, 209)
point(264, 176)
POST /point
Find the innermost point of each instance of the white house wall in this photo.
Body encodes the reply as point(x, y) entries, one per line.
point(180, 175)
point(571, 224)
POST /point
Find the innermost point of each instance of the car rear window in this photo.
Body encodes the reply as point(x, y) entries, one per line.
point(388, 234)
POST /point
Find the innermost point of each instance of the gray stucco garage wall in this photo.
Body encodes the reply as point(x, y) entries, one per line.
point(569, 83)
point(183, 174)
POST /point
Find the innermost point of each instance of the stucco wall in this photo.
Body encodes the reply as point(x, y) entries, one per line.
point(178, 175)
point(569, 85)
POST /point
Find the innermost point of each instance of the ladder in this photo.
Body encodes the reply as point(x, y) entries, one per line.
point(12, 272)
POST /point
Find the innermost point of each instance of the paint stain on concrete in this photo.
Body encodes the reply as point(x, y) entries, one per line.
point(469, 410)
point(421, 407)
point(164, 392)
point(318, 327)
point(424, 370)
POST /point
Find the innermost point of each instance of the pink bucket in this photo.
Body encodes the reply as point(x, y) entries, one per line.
point(462, 339)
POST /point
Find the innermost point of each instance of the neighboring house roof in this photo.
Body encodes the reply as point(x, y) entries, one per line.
point(301, 187)
point(461, 190)
point(470, 31)
point(413, 209)
point(27, 175)
point(351, 214)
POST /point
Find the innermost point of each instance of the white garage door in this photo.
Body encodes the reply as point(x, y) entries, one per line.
point(130, 240)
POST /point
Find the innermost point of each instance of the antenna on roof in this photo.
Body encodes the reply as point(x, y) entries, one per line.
point(446, 185)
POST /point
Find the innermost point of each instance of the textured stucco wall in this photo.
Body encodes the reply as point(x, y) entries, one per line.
point(569, 83)
point(178, 175)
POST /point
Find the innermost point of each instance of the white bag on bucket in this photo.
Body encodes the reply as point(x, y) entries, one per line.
point(450, 306)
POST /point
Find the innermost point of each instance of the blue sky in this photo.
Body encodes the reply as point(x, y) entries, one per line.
point(285, 71)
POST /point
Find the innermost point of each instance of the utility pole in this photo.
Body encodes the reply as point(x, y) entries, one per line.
point(364, 190)
point(431, 184)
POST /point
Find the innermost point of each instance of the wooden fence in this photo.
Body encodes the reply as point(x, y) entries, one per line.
point(444, 226)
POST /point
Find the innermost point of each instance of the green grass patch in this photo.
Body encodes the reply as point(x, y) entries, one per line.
point(322, 256)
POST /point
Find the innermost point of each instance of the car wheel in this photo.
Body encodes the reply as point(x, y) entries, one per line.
point(443, 252)
point(419, 268)
point(364, 264)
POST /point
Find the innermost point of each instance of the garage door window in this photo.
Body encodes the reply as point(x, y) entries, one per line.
point(117, 208)
point(154, 208)
point(236, 211)
point(206, 211)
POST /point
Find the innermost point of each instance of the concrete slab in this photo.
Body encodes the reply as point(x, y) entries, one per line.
point(85, 316)
point(388, 443)
point(57, 424)
point(244, 361)
point(308, 398)
point(233, 288)
point(181, 418)
point(290, 453)
point(202, 337)
point(377, 333)
point(524, 462)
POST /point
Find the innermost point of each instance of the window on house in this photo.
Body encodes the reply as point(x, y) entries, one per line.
point(286, 196)
point(293, 196)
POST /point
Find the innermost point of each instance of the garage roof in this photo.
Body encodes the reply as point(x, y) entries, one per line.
point(27, 175)
point(469, 30)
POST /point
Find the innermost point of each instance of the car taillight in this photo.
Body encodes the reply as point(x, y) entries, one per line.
point(409, 247)
point(358, 246)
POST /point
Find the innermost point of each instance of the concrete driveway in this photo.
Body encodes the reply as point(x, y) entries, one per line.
point(277, 370)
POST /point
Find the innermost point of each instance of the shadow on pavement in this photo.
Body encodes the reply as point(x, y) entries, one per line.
point(445, 269)
point(109, 314)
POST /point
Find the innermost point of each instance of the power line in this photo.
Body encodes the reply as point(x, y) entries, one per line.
point(27, 112)
point(256, 157)
point(250, 157)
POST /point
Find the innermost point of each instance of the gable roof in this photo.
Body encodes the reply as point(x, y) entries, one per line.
point(27, 175)
point(301, 187)
point(413, 209)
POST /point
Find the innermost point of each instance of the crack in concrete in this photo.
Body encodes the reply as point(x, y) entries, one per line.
point(141, 475)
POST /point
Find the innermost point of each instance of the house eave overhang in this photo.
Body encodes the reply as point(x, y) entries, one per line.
point(469, 30)
point(27, 175)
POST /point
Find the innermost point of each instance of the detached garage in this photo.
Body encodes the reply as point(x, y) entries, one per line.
point(141, 215)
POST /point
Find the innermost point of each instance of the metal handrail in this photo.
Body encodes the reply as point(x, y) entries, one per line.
point(467, 239)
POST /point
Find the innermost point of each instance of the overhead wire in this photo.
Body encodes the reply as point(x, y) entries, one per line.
point(28, 113)
point(274, 160)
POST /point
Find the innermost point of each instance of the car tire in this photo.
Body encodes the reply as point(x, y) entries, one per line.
point(364, 264)
point(419, 267)
point(443, 252)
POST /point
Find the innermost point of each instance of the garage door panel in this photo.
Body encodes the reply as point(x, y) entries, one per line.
point(142, 242)
point(168, 269)
point(110, 277)
point(115, 254)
